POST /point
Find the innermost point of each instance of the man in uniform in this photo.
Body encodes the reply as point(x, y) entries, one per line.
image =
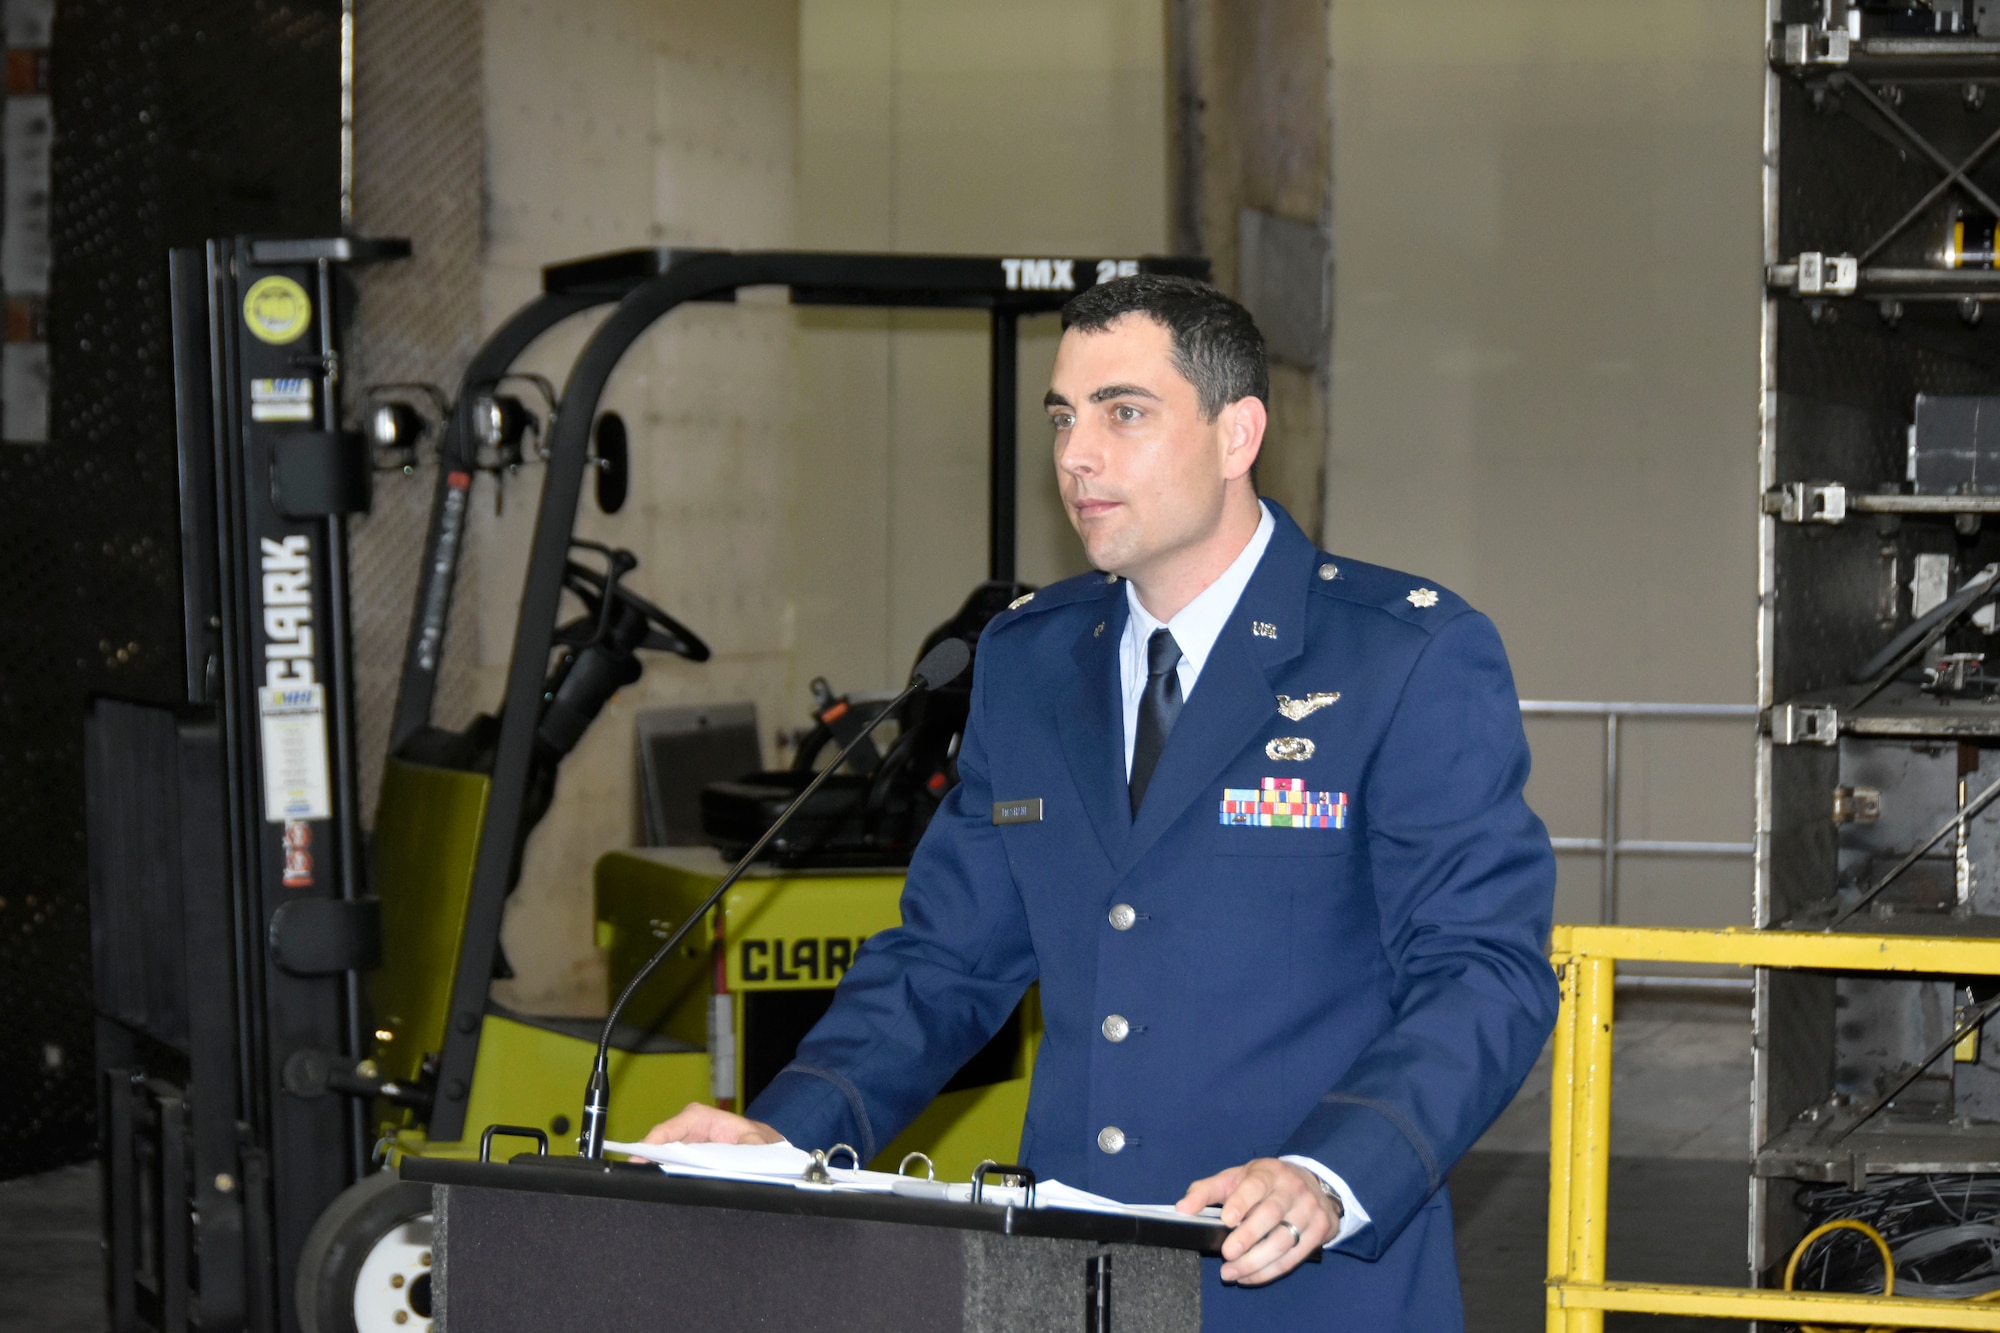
point(1252, 815)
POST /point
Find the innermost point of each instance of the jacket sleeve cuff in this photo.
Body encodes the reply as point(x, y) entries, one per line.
point(1384, 1159)
point(815, 1108)
point(1353, 1216)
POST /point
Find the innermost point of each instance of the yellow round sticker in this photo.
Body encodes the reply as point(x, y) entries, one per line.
point(277, 309)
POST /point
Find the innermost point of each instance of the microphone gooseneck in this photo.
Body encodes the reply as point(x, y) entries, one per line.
point(939, 666)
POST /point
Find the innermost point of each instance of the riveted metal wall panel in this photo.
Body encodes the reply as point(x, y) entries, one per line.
point(173, 123)
point(419, 172)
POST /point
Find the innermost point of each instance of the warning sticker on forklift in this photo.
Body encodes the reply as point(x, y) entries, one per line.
point(281, 400)
point(277, 309)
point(292, 728)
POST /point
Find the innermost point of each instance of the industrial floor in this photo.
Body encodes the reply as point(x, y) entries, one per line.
point(1680, 1144)
point(1679, 1133)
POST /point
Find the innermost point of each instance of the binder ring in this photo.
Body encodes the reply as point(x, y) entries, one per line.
point(1019, 1177)
point(827, 1158)
point(930, 1167)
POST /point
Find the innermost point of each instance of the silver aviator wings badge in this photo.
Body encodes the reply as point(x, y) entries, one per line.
point(1298, 710)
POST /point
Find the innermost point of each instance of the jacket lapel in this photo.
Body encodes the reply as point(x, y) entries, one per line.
point(1233, 699)
point(1092, 725)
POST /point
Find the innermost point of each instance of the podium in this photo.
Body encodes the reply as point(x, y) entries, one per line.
point(544, 1244)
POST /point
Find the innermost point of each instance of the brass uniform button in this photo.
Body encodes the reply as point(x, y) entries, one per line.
point(1122, 916)
point(1116, 1028)
point(1111, 1139)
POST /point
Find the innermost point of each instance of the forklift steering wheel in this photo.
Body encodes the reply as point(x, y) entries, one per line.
point(663, 632)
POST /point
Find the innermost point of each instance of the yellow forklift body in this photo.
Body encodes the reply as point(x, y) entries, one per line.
point(785, 931)
point(532, 1076)
point(780, 932)
point(426, 840)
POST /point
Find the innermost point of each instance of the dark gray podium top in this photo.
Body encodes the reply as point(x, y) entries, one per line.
point(641, 1183)
point(543, 1243)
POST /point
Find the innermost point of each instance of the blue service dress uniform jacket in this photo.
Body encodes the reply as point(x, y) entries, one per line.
point(1367, 991)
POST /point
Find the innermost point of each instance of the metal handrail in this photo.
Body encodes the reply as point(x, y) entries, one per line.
point(1608, 845)
point(1587, 961)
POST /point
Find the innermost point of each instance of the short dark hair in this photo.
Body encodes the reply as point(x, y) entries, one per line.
point(1216, 345)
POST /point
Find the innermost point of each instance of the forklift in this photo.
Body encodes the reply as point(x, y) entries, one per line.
point(409, 1055)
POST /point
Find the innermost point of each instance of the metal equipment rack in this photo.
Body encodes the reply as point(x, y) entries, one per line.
point(1879, 165)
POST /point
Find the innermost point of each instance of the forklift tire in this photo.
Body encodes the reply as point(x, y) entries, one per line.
point(367, 1260)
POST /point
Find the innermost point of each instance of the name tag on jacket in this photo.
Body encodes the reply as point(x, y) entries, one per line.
point(1027, 811)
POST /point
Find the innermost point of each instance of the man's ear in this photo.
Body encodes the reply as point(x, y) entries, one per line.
point(1242, 424)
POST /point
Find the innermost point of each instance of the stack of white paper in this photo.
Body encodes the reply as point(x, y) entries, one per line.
point(1055, 1194)
point(765, 1164)
point(782, 1164)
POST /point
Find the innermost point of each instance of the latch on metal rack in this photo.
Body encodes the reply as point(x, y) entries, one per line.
point(1857, 805)
point(1808, 502)
point(1810, 44)
point(1826, 275)
point(1805, 724)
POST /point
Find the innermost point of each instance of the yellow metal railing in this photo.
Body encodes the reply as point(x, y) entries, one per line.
point(1585, 958)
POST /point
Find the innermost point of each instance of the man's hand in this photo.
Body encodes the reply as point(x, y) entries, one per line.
point(1257, 1199)
point(698, 1123)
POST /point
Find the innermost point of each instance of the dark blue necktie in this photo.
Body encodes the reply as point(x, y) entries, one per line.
point(1159, 705)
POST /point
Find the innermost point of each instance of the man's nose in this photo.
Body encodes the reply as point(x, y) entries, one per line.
point(1077, 453)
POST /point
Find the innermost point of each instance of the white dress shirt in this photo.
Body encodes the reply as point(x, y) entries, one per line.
point(1195, 629)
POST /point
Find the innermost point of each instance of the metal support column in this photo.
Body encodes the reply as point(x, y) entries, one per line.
point(1607, 910)
point(1001, 467)
point(1562, 1116)
point(1589, 1132)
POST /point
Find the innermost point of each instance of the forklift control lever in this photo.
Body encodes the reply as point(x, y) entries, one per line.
point(310, 1073)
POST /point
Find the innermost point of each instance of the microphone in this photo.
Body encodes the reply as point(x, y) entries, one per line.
point(940, 666)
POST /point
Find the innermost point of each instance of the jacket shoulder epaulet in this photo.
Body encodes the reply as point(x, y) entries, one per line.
point(1421, 602)
point(1083, 587)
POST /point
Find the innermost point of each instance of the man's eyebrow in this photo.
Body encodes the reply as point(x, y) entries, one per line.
point(1110, 391)
point(1054, 399)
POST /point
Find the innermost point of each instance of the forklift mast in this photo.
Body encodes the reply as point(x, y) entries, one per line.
point(229, 917)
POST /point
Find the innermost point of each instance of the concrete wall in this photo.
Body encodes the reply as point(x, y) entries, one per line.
point(1545, 228)
point(1545, 376)
point(1543, 385)
point(809, 486)
point(611, 124)
point(419, 173)
point(967, 126)
point(1251, 128)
